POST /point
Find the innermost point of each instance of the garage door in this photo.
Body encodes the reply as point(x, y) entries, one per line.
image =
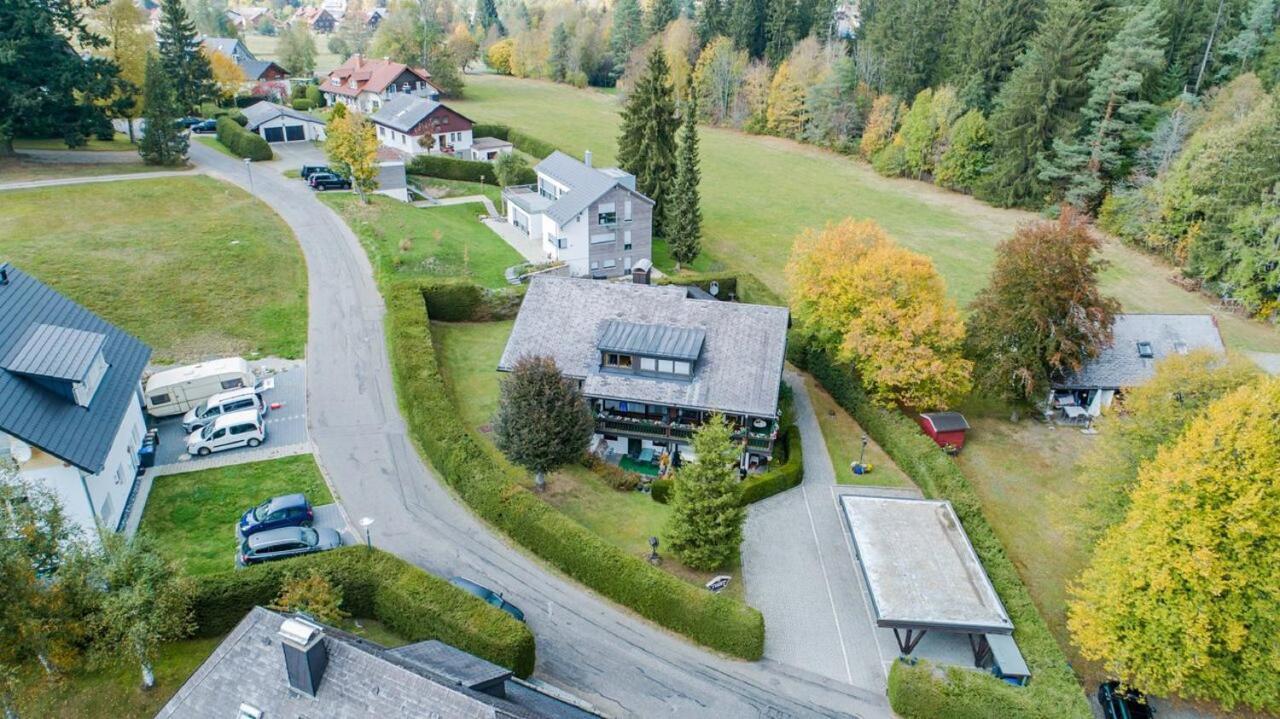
point(273, 134)
point(294, 133)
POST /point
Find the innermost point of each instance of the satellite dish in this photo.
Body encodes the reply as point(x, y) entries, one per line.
point(19, 450)
point(714, 289)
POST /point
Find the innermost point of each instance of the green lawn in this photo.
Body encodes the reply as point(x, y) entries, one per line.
point(120, 143)
point(21, 169)
point(264, 48)
point(193, 266)
point(843, 437)
point(759, 192)
point(192, 516)
point(444, 241)
point(438, 188)
point(212, 142)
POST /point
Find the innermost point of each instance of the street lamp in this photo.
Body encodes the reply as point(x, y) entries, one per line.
point(859, 467)
point(367, 522)
point(653, 551)
point(249, 172)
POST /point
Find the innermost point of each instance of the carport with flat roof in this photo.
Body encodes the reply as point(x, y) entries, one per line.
point(921, 571)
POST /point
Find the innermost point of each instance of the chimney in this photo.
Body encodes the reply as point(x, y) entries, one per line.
point(586, 158)
point(4, 276)
point(305, 654)
point(358, 60)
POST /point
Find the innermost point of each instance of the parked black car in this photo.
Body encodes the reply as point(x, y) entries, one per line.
point(329, 181)
point(289, 510)
point(308, 170)
point(205, 127)
point(186, 122)
point(488, 595)
point(286, 542)
point(1127, 704)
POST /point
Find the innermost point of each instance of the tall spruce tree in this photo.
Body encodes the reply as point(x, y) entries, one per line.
point(712, 21)
point(779, 30)
point(179, 46)
point(163, 143)
point(908, 36)
point(558, 60)
point(684, 211)
point(487, 16)
point(705, 527)
point(647, 142)
point(983, 44)
point(628, 32)
point(1115, 115)
point(1040, 102)
point(661, 13)
point(746, 26)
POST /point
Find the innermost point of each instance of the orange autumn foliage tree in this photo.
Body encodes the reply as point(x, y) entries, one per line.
point(883, 309)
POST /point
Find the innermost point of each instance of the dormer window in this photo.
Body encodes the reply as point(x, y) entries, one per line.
point(613, 359)
point(65, 361)
point(1145, 350)
point(656, 350)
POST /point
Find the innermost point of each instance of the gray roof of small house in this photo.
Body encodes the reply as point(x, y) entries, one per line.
point(1119, 365)
point(682, 343)
point(402, 112)
point(254, 68)
point(263, 112)
point(488, 143)
point(737, 372)
point(361, 679)
point(586, 185)
point(229, 46)
point(79, 435)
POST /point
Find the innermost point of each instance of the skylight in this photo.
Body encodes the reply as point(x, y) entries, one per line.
point(1145, 350)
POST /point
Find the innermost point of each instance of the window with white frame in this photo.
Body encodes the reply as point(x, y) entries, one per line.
point(648, 364)
point(610, 264)
point(626, 210)
point(626, 239)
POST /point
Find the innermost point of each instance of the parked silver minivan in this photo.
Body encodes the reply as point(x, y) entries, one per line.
point(220, 404)
point(238, 429)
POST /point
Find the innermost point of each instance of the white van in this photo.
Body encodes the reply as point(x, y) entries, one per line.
point(238, 429)
point(220, 404)
point(174, 391)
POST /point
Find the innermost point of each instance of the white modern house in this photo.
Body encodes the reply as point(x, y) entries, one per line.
point(405, 122)
point(70, 409)
point(593, 220)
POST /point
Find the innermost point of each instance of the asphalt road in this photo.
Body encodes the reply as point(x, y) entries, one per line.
point(623, 665)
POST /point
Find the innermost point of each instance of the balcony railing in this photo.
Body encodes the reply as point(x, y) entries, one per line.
point(760, 440)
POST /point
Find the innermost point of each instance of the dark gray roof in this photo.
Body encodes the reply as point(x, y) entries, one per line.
point(738, 371)
point(261, 112)
point(57, 352)
point(361, 679)
point(402, 112)
point(253, 69)
point(229, 46)
point(682, 343)
point(454, 664)
point(79, 435)
point(1120, 365)
point(586, 185)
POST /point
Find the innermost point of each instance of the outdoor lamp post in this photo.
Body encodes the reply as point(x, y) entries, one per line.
point(248, 171)
point(653, 551)
point(860, 467)
point(367, 522)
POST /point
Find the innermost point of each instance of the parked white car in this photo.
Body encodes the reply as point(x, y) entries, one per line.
point(238, 429)
point(220, 404)
point(177, 390)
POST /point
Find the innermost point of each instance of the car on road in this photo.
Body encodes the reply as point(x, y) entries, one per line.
point(219, 404)
point(488, 595)
point(238, 429)
point(1123, 703)
point(308, 170)
point(286, 542)
point(328, 181)
point(287, 510)
point(205, 127)
point(187, 122)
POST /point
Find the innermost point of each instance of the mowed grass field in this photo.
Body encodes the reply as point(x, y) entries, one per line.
point(266, 47)
point(193, 266)
point(758, 193)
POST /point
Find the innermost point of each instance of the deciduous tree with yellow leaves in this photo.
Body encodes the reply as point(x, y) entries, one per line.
point(1183, 597)
point(882, 308)
point(227, 75)
point(352, 148)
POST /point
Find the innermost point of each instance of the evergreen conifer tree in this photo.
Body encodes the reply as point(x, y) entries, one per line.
point(542, 421)
point(908, 36)
point(180, 52)
point(712, 21)
point(661, 13)
point(684, 211)
point(705, 527)
point(746, 26)
point(163, 143)
point(647, 142)
point(488, 16)
point(558, 60)
point(778, 29)
point(628, 32)
point(983, 44)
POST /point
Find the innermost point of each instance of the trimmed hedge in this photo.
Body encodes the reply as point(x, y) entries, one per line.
point(661, 490)
point(464, 301)
point(522, 142)
point(716, 621)
point(213, 112)
point(916, 692)
point(728, 282)
point(490, 129)
point(242, 142)
point(781, 478)
point(411, 602)
point(449, 168)
point(303, 104)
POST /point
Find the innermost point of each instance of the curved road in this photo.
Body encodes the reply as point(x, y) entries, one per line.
point(623, 665)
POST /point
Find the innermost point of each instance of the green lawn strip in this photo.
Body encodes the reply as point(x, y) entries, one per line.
point(120, 143)
point(192, 516)
point(212, 142)
point(843, 437)
point(663, 260)
point(442, 242)
point(21, 169)
point(192, 266)
point(440, 188)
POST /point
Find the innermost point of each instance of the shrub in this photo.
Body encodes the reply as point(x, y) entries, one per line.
point(489, 129)
point(716, 621)
point(532, 145)
point(315, 96)
point(613, 475)
point(303, 104)
point(919, 694)
point(241, 142)
point(411, 602)
point(788, 474)
point(449, 168)
point(661, 490)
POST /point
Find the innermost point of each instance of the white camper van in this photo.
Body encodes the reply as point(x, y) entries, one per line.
point(174, 391)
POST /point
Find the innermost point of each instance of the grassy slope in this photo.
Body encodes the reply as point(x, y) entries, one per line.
point(193, 515)
point(759, 192)
point(212, 142)
point(439, 188)
point(843, 437)
point(20, 169)
point(119, 143)
point(193, 266)
point(264, 48)
point(444, 241)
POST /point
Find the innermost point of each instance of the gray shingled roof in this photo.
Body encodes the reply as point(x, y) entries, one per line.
point(56, 352)
point(738, 371)
point(586, 185)
point(261, 112)
point(682, 343)
point(361, 680)
point(402, 112)
point(79, 435)
point(1120, 366)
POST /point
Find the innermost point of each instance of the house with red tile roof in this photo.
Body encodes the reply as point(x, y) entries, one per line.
point(366, 84)
point(318, 19)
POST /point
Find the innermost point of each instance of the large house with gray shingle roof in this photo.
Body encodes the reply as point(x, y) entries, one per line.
point(591, 219)
point(70, 413)
point(655, 363)
point(405, 121)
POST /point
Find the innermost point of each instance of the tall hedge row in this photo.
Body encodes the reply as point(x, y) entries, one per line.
point(242, 142)
point(411, 602)
point(522, 142)
point(789, 473)
point(920, 692)
point(716, 621)
point(465, 301)
point(449, 168)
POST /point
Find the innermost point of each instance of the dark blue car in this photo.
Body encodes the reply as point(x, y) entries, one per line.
point(289, 510)
point(488, 595)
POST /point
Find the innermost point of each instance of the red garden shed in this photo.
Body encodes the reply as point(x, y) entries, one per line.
point(946, 428)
